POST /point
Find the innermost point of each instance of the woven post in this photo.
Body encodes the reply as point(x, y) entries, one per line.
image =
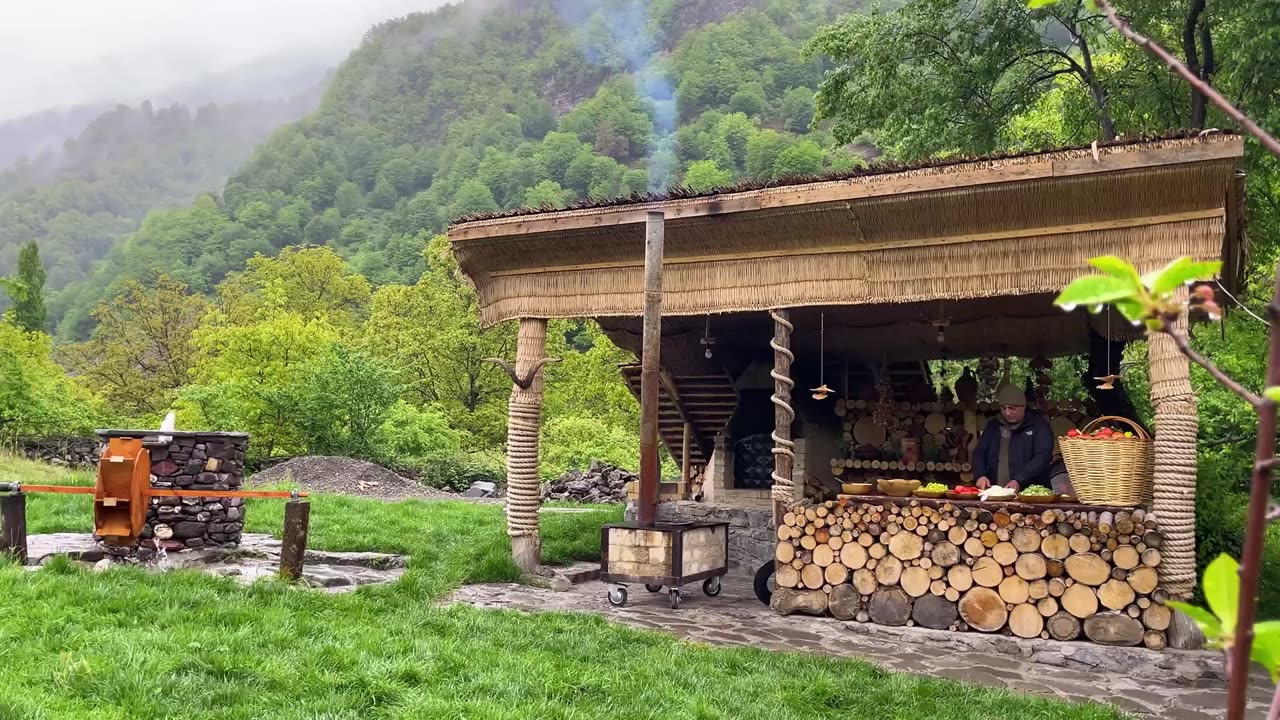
point(1174, 499)
point(524, 418)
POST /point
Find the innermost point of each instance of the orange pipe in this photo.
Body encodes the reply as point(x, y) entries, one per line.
point(62, 489)
point(165, 492)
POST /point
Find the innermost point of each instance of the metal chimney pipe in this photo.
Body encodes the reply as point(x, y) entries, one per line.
point(650, 364)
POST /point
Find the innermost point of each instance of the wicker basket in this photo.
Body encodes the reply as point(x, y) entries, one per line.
point(1110, 472)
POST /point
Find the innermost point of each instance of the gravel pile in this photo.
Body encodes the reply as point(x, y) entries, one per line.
point(346, 476)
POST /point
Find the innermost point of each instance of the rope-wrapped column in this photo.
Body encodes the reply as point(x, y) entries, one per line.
point(524, 419)
point(1174, 497)
point(783, 490)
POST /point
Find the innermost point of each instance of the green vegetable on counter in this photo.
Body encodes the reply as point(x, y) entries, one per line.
point(1037, 490)
point(935, 487)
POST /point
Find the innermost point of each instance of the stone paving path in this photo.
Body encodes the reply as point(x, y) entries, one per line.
point(1173, 685)
point(257, 557)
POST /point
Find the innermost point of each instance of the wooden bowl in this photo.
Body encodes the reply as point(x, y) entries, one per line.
point(856, 488)
point(935, 494)
point(898, 488)
point(953, 495)
point(1037, 498)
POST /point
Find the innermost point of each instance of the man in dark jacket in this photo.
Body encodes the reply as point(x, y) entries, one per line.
point(1016, 448)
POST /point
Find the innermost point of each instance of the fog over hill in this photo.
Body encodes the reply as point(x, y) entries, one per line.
point(86, 52)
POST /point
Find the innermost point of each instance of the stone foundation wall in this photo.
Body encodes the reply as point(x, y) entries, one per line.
point(751, 533)
point(197, 461)
point(72, 452)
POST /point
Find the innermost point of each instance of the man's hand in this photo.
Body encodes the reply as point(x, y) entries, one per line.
point(1013, 485)
point(983, 482)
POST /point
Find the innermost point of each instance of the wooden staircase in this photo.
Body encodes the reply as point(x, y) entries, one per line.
point(702, 402)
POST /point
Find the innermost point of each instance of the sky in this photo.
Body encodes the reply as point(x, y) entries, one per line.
point(60, 52)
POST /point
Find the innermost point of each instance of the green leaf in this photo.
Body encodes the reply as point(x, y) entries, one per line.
point(1272, 393)
point(1115, 267)
point(1222, 590)
point(1033, 4)
point(1131, 309)
point(1179, 272)
point(1266, 647)
point(1094, 290)
point(1209, 624)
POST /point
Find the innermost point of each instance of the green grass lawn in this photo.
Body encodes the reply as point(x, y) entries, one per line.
point(129, 644)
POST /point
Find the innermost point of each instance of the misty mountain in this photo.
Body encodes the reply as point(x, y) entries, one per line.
point(79, 201)
point(496, 104)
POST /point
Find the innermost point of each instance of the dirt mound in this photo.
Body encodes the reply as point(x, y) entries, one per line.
point(346, 476)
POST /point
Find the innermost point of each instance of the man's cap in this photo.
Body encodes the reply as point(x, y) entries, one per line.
point(1011, 395)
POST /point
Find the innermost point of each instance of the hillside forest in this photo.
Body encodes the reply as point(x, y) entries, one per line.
point(312, 300)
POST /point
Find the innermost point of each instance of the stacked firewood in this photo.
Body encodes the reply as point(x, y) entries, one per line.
point(1057, 573)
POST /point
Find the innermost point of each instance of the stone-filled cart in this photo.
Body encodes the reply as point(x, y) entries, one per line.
point(660, 555)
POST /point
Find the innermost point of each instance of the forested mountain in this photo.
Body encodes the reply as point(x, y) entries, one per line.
point(79, 202)
point(43, 132)
point(480, 106)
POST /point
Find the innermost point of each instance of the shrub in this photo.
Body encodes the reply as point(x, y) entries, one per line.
point(571, 442)
point(457, 471)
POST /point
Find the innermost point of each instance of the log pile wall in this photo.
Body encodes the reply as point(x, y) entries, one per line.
point(1060, 572)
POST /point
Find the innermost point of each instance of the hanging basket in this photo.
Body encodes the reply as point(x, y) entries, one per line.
point(1110, 472)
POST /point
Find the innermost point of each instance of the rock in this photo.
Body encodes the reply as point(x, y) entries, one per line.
point(234, 513)
point(481, 488)
point(102, 565)
point(193, 467)
point(195, 543)
point(187, 530)
point(212, 464)
point(602, 483)
point(810, 602)
point(162, 532)
point(164, 467)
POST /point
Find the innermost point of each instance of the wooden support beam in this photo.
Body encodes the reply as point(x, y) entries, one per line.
point(13, 526)
point(293, 546)
point(650, 362)
point(783, 414)
point(685, 470)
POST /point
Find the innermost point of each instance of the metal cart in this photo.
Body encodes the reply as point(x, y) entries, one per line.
point(666, 554)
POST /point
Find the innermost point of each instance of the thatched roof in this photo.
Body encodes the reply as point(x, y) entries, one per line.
point(975, 228)
point(884, 167)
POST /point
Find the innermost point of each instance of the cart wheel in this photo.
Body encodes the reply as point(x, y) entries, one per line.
point(675, 599)
point(765, 582)
point(711, 586)
point(652, 588)
point(618, 596)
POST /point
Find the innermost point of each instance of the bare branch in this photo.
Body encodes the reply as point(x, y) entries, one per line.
point(1185, 348)
point(1270, 143)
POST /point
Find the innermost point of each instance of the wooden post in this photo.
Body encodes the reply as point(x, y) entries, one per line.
point(783, 414)
point(684, 457)
point(293, 546)
point(650, 364)
point(13, 526)
point(524, 420)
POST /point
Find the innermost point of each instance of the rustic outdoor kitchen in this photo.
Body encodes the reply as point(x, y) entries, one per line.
point(786, 334)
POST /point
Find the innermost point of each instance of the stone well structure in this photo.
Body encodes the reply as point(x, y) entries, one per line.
point(193, 461)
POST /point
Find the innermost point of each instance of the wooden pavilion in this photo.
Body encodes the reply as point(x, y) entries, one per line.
point(883, 268)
